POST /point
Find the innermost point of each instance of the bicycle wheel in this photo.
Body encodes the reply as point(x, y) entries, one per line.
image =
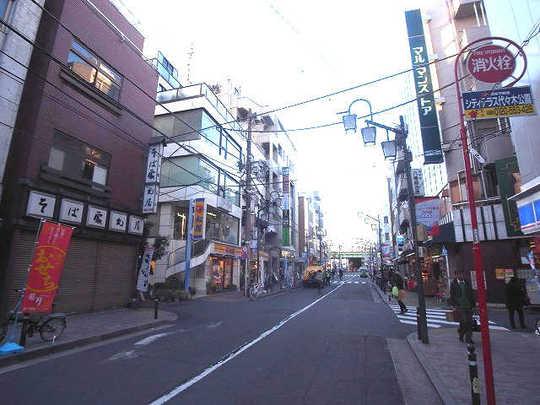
point(52, 329)
point(537, 328)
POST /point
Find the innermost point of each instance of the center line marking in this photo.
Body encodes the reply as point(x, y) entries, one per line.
point(235, 353)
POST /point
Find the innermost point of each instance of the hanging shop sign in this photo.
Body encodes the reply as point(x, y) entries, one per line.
point(46, 268)
point(144, 269)
point(429, 125)
point(199, 217)
point(40, 205)
point(151, 180)
point(418, 182)
point(507, 102)
point(286, 180)
point(491, 63)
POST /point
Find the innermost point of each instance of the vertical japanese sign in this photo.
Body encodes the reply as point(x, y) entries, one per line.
point(151, 180)
point(199, 219)
point(144, 270)
point(46, 268)
point(429, 125)
point(286, 225)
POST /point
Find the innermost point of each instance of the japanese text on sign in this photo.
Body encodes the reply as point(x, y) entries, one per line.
point(507, 102)
point(46, 268)
point(491, 64)
point(198, 220)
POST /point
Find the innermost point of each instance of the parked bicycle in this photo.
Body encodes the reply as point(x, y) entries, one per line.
point(256, 290)
point(49, 326)
point(537, 328)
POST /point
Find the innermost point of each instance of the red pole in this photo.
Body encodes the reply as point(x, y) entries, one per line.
point(477, 254)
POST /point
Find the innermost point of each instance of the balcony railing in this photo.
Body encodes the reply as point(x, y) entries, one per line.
point(200, 90)
point(163, 72)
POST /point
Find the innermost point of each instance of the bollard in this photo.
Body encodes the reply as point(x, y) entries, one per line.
point(156, 304)
point(22, 340)
point(473, 375)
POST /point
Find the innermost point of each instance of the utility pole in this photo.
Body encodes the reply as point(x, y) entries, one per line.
point(421, 310)
point(249, 222)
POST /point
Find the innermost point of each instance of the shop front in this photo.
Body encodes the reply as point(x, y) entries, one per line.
point(223, 268)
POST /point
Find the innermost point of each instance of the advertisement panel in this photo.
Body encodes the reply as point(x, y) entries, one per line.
point(507, 102)
point(46, 268)
point(427, 216)
point(199, 216)
point(144, 269)
point(429, 125)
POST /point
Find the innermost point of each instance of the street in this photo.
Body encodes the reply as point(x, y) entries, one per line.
point(334, 351)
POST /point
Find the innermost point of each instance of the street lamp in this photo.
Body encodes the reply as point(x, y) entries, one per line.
point(404, 167)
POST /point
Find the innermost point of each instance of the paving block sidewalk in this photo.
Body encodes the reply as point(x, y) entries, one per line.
point(516, 360)
point(89, 328)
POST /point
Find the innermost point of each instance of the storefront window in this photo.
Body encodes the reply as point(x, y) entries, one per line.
point(221, 226)
point(222, 270)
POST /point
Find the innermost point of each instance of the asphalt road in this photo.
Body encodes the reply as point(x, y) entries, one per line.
point(296, 348)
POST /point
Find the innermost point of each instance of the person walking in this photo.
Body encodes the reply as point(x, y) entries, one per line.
point(319, 279)
point(397, 281)
point(462, 299)
point(516, 299)
point(340, 274)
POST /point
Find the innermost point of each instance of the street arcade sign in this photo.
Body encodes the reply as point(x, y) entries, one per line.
point(429, 125)
point(46, 268)
point(506, 102)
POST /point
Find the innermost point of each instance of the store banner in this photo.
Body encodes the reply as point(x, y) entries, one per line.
point(199, 216)
point(497, 103)
point(144, 269)
point(429, 125)
point(46, 267)
point(427, 216)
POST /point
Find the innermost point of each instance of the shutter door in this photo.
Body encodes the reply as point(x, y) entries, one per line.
point(115, 275)
point(20, 259)
point(78, 282)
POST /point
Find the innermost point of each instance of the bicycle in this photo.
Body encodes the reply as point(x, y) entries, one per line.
point(537, 328)
point(255, 291)
point(50, 326)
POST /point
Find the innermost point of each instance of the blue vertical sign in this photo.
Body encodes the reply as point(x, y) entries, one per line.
point(429, 125)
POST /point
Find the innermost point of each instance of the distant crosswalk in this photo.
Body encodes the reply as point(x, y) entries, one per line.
point(350, 278)
point(436, 318)
point(335, 282)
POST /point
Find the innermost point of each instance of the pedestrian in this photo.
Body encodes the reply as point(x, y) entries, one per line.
point(327, 277)
point(319, 279)
point(516, 299)
point(340, 274)
point(462, 299)
point(397, 281)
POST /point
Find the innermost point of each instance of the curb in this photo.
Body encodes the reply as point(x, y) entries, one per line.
point(43, 351)
point(431, 372)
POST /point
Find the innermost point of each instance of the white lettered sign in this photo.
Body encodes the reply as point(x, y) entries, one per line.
point(71, 211)
point(118, 221)
point(40, 205)
point(96, 217)
point(136, 225)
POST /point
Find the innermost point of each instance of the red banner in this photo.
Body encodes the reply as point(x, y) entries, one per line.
point(46, 269)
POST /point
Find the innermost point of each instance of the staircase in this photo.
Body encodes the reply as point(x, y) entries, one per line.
point(176, 260)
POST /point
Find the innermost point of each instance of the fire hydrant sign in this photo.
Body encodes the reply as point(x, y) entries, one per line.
point(491, 63)
point(46, 268)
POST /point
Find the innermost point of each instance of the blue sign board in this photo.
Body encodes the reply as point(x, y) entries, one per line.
point(429, 126)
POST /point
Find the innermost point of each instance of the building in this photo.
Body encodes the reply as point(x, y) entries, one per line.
point(79, 154)
point(524, 129)
point(202, 163)
point(448, 27)
point(24, 16)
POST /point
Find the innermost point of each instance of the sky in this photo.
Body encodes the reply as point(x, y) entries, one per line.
point(281, 52)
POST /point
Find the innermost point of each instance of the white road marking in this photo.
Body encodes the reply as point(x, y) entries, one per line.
point(150, 339)
point(214, 325)
point(230, 356)
point(124, 355)
point(356, 282)
point(431, 325)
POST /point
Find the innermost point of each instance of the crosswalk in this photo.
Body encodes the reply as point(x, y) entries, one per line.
point(436, 318)
point(335, 282)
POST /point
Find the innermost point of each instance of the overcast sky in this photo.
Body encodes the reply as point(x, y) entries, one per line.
point(281, 52)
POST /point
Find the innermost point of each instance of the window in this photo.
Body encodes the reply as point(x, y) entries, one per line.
point(221, 226)
point(385, 219)
point(5, 7)
point(386, 236)
point(79, 161)
point(85, 64)
point(186, 170)
point(232, 190)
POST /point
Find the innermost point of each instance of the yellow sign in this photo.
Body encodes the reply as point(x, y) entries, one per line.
point(497, 103)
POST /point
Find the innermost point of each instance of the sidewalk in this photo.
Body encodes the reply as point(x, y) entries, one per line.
point(83, 329)
point(515, 355)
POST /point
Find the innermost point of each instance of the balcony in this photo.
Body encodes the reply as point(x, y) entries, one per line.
point(465, 8)
point(163, 72)
point(201, 90)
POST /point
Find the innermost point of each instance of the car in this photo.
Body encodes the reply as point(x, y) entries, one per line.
point(364, 274)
